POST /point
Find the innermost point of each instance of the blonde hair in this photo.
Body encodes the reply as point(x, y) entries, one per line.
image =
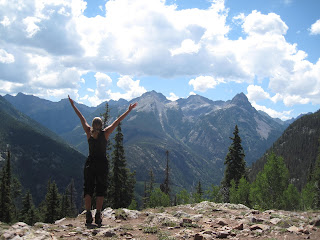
point(96, 126)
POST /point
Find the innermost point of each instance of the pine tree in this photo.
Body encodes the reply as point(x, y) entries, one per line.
point(28, 214)
point(165, 186)
point(145, 196)
point(148, 189)
point(123, 181)
point(52, 203)
point(234, 161)
point(68, 201)
point(6, 203)
point(105, 121)
point(197, 196)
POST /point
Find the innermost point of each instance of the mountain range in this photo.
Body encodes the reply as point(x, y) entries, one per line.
point(37, 154)
point(194, 130)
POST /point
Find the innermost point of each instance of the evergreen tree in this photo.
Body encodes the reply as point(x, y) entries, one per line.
point(52, 203)
point(6, 203)
point(105, 122)
point(28, 214)
point(267, 190)
point(197, 196)
point(165, 186)
point(123, 181)
point(148, 189)
point(68, 201)
point(145, 196)
point(234, 161)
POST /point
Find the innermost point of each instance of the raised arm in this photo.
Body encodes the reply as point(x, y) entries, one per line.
point(108, 130)
point(84, 123)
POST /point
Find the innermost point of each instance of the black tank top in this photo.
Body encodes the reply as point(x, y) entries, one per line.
point(97, 147)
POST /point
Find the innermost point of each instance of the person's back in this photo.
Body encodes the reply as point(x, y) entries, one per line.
point(97, 147)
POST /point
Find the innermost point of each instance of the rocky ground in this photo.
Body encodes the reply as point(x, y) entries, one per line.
point(204, 220)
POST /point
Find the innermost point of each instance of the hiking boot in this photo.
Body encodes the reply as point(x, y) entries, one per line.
point(89, 218)
point(98, 218)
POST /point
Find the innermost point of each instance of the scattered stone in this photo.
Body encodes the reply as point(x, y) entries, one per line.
point(315, 222)
point(275, 221)
point(223, 234)
point(239, 227)
point(255, 212)
point(198, 237)
point(207, 232)
point(186, 220)
point(256, 220)
point(59, 221)
point(259, 226)
point(294, 229)
point(222, 222)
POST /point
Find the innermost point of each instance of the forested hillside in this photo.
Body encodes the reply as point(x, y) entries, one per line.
point(298, 146)
point(194, 130)
point(37, 154)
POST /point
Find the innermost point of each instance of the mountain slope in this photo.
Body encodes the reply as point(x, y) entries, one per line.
point(298, 145)
point(195, 130)
point(36, 156)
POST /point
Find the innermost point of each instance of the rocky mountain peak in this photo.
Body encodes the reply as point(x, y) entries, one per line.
point(154, 95)
point(241, 100)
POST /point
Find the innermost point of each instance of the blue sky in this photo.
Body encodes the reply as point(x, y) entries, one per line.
point(99, 50)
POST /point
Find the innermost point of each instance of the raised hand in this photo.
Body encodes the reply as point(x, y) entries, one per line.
point(71, 101)
point(132, 106)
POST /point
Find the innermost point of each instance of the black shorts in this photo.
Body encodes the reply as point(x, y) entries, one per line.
point(95, 177)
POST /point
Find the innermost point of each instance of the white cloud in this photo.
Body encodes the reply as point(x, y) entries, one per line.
point(103, 93)
point(31, 27)
point(173, 97)
point(149, 38)
point(315, 28)
point(103, 84)
point(258, 23)
point(6, 21)
point(132, 89)
point(90, 90)
point(203, 83)
point(284, 115)
point(187, 46)
point(256, 93)
point(6, 57)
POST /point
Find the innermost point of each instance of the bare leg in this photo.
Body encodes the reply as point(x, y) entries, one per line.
point(99, 203)
point(87, 201)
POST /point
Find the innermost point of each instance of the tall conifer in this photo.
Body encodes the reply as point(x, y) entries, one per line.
point(165, 185)
point(234, 161)
point(122, 180)
point(6, 203)
point(52, 203)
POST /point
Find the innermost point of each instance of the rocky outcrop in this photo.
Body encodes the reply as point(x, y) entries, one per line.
point(205, 220)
